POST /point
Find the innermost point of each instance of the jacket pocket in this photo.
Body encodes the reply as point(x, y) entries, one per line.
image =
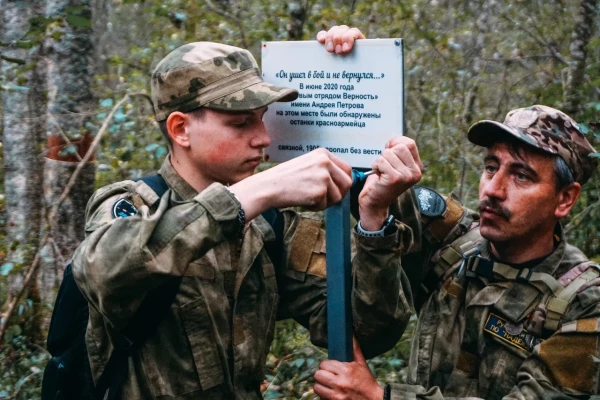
point(199, 328)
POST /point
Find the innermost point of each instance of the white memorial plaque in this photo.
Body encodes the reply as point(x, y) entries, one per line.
point(350, 104)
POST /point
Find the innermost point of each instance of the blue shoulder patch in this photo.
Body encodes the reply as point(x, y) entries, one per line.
point(431, 204)
point(123, 209)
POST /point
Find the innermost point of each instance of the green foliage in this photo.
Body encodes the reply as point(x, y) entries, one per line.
point(22, 364)
point(464, 61)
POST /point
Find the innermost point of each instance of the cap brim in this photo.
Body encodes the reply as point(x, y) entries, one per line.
point(252, 97)
point(485, 133)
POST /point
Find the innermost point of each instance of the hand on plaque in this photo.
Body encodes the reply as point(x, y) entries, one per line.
point(339, 39)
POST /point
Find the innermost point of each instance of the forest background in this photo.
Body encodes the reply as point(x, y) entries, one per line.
point(75, 116)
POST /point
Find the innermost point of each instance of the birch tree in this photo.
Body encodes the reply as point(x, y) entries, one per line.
point(70, 110)
point(23, 105)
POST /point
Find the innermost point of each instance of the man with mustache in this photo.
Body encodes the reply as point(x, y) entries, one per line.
point(507, 309)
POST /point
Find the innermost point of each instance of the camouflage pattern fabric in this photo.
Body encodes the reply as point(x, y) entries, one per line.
point(214, 341)
point(212, 75)
point(544, 128)
point(481, 338)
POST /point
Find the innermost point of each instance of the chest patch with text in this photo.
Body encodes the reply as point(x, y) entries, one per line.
point(497, 327)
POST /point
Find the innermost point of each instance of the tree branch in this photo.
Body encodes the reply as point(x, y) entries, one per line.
point(579, 218)
point(234, 18)
point(52, 215)
point(63, 135)
point(555, 53)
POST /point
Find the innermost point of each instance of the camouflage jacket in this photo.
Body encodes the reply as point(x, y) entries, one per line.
point(485, 336)
point(213, 342)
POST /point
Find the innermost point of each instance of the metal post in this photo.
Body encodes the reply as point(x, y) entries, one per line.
point(339, 281)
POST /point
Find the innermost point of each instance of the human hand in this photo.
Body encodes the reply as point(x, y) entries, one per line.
point(339, 380)
point(339, 39)
point(314, 180)
point(399, 167)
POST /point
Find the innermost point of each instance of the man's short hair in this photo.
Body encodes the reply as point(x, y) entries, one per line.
point(198, 113)
point(564, 176)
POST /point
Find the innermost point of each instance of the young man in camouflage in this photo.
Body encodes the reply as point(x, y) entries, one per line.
point(507, 309)
point(209, 100)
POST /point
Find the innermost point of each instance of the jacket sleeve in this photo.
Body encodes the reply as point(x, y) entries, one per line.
point(380, 308)
point(567, 364)
point(428, 236)
point(121, 259)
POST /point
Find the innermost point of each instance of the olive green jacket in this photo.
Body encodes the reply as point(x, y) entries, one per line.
point(487, 337)
point(213, 342)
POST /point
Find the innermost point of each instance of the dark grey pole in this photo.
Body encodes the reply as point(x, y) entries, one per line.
point(339, 281)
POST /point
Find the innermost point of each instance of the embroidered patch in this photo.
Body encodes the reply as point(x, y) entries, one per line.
point(496, 326)
point(430, 203)
point(123, 209)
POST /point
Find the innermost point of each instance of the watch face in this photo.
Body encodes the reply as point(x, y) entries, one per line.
point(389, 226)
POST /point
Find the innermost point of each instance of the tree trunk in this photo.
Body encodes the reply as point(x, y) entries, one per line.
point(582, 33)
point(70, 107)
point(23, 104)
point(295, 26)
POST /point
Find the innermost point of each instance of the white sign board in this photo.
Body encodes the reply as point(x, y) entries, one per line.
point(350, 104)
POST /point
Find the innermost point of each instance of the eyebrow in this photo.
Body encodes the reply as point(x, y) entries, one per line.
point(520, 165)
point(490, 157)
point(513, 165)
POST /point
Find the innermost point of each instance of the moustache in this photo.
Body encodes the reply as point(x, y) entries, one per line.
point(495, 207)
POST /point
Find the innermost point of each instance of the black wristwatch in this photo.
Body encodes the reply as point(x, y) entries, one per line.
point(241, 216)
point(388, 228)
point(387, 392)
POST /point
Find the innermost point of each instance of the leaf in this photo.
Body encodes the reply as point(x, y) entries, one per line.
point(594, 155)
point(24, 44)
point(75, 9)
point(13, 60)
point(15, 330)
point(70, 149)
point(15, 88)
point(152, 147)
point(162, 150)
point(414, 70)
point(6, 268)
point(119, 116)
point(299, 362)
point(106, 103)
point(78, 22)
point(584, 129)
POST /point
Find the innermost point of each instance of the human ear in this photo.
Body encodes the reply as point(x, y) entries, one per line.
point(566, 199)
point(177, 124)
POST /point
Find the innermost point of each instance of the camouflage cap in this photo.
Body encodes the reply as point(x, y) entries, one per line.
point(545, 128)
point(212, 75)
